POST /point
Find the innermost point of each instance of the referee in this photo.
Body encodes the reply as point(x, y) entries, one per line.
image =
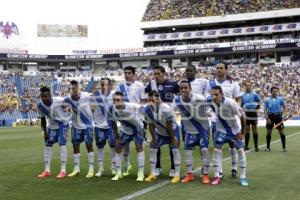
point(250, 105)
point(273, 113)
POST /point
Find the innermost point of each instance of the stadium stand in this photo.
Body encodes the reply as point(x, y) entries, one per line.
point(177, 9)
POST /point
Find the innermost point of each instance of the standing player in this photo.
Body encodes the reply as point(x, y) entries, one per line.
point(164, 130)
point(128, 114)
point(250, 104)
point(82, 126)
point(132, 91)
point(274, 107)
point(230, 126)
point(231, 90)
point(194, 117)
point(167, 90)
point(55, 129)
point(198, 85)
point(103, 99)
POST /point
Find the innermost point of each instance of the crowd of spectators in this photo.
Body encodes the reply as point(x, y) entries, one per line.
point(263, 77)
point(178, 9)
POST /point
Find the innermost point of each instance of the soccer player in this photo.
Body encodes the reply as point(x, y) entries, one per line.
point(132, 91)
point(198, 85)
point(274, 107)
point(231, 90)
point(167, 90)
point(164, 130)
point(230, 126)
point(82, 126)
point(55, 129)
point(128, 114)
point(103, 100)
point(250, 104)
point(194, 117)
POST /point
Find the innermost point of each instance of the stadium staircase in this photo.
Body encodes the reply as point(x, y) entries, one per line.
point(21, 93)
point(90, 85)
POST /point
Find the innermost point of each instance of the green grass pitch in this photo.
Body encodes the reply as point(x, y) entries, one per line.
point(272, 175)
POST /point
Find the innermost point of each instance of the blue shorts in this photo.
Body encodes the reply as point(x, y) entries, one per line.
point(57, 135)
point(162, 140)
point(101, 135)
point(138, 138)
point(193, 140)
point(222, 138)
point(80, 135)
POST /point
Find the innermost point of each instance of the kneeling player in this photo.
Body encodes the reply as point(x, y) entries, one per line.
point(193, 111)
point(164, 130)
point(128, 114)
point(231, 125)
point(55, 129)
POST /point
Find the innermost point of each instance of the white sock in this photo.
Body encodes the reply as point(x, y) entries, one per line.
point(153, 160)
point(47, 157)
point(91, 161)
point(234, 157)
point(126, 154)
point(177, 161)
point(76, 159)
point(119, 162)
point(205, 160)
point(221, 163)
point(242, 162)
point(189, 160)
point(113, 158)
point(217, 160)
point(63, 157)
point(100, 158)
point(141, 161)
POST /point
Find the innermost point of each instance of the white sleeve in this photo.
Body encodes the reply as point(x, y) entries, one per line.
point(236, 90)
point(41, 114)
point(237, 109)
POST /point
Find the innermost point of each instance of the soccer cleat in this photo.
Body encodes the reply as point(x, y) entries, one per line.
point(256, 150)
point(188, 178)
point(90, 174)
point(140, 177)
point(150, 178)
point(244, 182)
point(233, 173)
point(175, 179)
point(44, 174)
point(172, 173)
point(158, 171)
point(216, 181)
point(117, 177)
point(99, 173)
point(284, 150)
point(221, 175)
point(61, 175)
point(205, 179)
point(74, 173)
point(267, 149)
point(127, 170)
point(246, 148)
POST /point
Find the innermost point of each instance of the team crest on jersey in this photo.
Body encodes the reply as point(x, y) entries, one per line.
point(8, 29)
